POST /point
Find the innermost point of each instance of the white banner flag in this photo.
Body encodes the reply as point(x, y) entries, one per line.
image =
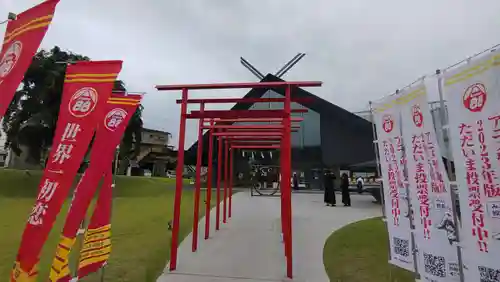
point(473, 95)
point(386, 115)
point(435, 229)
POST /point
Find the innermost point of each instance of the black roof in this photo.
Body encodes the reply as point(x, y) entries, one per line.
point(315, 103)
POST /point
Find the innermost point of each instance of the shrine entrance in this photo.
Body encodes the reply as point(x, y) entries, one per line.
point(271, 130)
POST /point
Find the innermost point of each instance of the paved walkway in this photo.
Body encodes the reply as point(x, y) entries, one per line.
point(248, 248)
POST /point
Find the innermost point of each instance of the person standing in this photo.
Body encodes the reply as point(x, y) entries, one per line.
point(295, 181)
point(328, 181)
point(344, 187)
point(359, 184)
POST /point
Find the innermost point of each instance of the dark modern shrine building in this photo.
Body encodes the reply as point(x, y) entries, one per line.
point(329, 137)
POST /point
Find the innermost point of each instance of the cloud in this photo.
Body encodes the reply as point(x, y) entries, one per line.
point(361, 49)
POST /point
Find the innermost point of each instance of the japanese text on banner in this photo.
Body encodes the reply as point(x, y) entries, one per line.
point(118, 110)
point(82, 105)
point(393, 163)
point(435, 228)
point(472, 94)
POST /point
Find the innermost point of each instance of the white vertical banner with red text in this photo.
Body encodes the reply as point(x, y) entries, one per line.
point(429, 189)
point(386, 115)
point(473, 95)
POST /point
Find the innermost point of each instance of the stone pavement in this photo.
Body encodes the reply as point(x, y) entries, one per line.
point(313, 223)
point(248, 248)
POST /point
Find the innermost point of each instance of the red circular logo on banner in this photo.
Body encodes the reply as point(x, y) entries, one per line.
point(474, 97)
point(10, 58)
point(418, 117)
point(114, 118)
point(387, 123)
point(83, 102)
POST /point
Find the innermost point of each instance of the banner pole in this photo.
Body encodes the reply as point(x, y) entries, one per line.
point(412, 232)
point(10, 17)
point(448, 152)
point(115, 173)
point(377, 159)
point(414, 247)
point(444, 127)
point(379, 174)
point(80, 236)
point(103, 268)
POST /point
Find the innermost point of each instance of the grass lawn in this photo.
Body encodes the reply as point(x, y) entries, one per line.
point(142, 208)
point(359, 252)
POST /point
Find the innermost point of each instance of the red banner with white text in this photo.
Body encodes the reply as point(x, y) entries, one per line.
point(87, 87)
point(22, 39)
point(118, 111)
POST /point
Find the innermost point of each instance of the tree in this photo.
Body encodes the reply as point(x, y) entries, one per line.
point(31, 118)
point(130, 146)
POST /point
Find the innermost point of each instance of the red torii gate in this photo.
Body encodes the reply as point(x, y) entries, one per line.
point(265, 130)
point(277, 134)
point(283, 116)
point(274, 134)
point(258, 132)
point(224, 122)
point(248, 144)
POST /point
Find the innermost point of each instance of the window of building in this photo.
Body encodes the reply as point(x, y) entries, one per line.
point(309, 133)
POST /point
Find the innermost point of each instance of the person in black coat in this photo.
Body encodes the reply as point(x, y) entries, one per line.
point(344, 187)
point(295, 181)
point(328, 181)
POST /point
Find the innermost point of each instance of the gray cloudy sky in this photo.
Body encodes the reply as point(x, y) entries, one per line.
point(361, 49)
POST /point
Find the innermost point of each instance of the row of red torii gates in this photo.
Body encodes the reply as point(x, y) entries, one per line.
point(275, 134)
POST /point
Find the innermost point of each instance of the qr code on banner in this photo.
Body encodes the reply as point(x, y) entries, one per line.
point(487, 274)
point(401, 247)
point(435, 265)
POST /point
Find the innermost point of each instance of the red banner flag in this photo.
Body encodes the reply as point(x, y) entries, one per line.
point(22, 38)
point(87, 87)
point(119, 109)
point(97, 243)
